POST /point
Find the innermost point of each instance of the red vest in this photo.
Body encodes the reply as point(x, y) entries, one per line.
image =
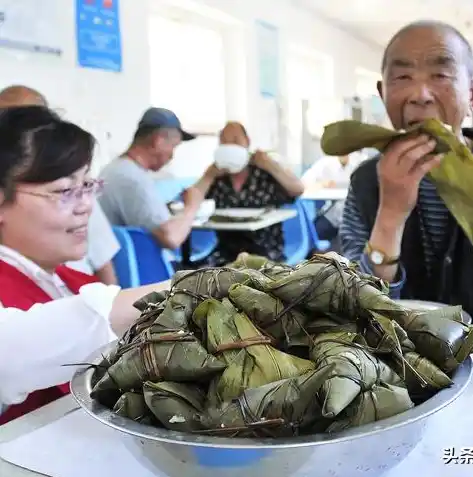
point(19, 291)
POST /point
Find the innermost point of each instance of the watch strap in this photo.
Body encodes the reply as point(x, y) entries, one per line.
point(384, 258)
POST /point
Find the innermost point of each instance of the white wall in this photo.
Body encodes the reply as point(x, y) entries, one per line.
point(111, 103)
point(297, 27)
point(102, 101)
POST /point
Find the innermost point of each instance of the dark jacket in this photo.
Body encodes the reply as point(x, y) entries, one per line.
point(452, 280)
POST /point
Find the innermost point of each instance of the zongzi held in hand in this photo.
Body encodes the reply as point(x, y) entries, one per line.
point(347, 136)
point(453, 177)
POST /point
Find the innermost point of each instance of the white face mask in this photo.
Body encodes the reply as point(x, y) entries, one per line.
point(231, 157)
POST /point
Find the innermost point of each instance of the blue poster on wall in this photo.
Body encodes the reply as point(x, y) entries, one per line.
point(268, 59)
point(99, 42)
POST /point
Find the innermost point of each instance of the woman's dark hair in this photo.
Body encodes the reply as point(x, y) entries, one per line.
point(37, 146)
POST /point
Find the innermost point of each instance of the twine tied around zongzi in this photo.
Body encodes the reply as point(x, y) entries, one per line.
point(255, 340)
point(211, 282)
point(349, 302)
point(147, 337)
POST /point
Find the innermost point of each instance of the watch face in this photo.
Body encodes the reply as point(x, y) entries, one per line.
point(377, 257)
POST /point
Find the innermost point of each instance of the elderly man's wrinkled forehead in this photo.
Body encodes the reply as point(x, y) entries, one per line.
point(428, 44)
point(234, 133)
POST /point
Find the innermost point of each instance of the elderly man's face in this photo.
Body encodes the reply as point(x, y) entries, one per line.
point(426, 76)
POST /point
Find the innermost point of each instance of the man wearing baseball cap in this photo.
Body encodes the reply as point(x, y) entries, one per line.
point(131, 197)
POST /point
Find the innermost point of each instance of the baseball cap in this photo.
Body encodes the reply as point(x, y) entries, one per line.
point(163, 118)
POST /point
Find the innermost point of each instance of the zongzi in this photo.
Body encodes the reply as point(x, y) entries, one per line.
point(440, 335)
point(383, 400)
point(287, 329)
point(265, 266)
point(325, 284)
point(452, 177)
point(251, 360)
point(434, 377)
point(282, 408)
point(175, 355)
point(151, 299)
point(177, 406)
point(355, 370)
point(347, 136)
point(132, 406)
point(208, 282)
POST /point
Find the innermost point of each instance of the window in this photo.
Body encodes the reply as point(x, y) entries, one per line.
point(188, 72)
point(366, 83)
point(373, 110)
point(311, 103)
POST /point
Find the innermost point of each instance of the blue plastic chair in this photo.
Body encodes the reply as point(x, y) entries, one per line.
point(297, 242)
point(141, 260)
point(309, 212)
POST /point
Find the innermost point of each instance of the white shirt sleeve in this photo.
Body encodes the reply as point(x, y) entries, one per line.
point(35, 344)
point(103, 245)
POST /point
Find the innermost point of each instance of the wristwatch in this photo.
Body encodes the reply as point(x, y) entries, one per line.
point(377, 257)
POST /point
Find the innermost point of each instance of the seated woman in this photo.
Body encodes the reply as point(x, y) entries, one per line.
point(46, 199)
point(260, 183)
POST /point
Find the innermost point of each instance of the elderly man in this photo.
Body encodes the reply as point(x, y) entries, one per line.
point(131, 196)
point(394, 221)
point(103, 245)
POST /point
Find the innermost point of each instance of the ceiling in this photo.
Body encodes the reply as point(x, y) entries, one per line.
point(377, 20)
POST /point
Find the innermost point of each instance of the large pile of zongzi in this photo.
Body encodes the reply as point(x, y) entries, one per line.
point(261, 349)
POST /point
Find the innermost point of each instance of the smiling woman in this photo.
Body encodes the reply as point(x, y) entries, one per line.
point(45, 216)
point(50, 315)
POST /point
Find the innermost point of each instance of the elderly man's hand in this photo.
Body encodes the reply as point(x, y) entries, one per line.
point(192, 197)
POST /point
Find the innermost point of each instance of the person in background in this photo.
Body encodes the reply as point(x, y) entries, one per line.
point(257, 182)
point(50, 315)
point(102, 243)
point(331, 172)
point(395, 223)
point(131, 195)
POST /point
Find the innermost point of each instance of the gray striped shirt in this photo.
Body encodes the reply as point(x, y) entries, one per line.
point(354, 233)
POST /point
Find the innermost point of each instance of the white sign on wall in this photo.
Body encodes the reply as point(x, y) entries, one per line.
point(31, 25)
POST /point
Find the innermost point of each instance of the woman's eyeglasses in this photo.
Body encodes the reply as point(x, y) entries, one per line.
point(70, 196)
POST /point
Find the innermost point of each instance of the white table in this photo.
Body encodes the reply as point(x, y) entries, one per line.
point(267, 219)
point(28, 423)
point(451, 428)
point(325, 194)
